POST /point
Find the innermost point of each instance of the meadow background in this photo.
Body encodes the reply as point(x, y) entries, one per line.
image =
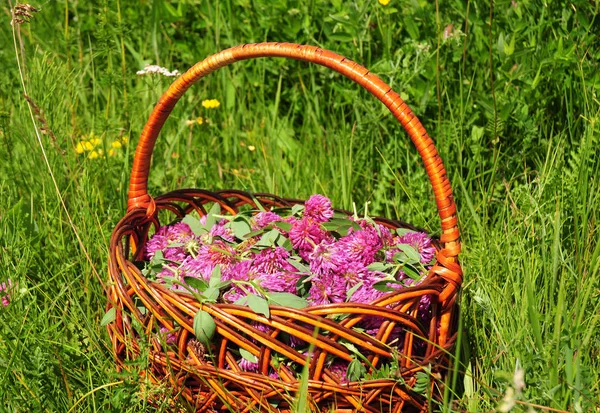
point(507, 89)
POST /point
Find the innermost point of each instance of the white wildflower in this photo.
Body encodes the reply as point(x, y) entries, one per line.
point(423, 47)
point(513, 393)
point(519, 378)
point(149, 69)
point(508, 402)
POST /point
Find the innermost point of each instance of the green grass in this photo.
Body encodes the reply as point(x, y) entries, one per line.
point(511, 100)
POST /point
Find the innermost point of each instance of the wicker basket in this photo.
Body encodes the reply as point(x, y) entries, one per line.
point(217, 383)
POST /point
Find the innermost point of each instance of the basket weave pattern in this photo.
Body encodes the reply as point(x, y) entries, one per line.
point(210, 378)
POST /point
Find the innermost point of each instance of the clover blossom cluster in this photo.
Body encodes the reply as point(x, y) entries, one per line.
point(310, 251)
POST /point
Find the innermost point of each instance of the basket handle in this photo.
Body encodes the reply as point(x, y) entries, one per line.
point(138, 186)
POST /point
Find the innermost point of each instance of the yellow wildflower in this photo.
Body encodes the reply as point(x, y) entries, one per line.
point(90, 144)
point(384, 2)
point(125, 140)
point(211, 103)
point(251, 148)
point(79, 148)
point(191, 122)
point(116, 144)
point(112, 152)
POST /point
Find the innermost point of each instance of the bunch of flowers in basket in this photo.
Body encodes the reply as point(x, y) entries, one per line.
point(306, 255)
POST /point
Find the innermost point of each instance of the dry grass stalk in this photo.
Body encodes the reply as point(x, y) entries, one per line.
point(44, 128)
point(23, 13)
